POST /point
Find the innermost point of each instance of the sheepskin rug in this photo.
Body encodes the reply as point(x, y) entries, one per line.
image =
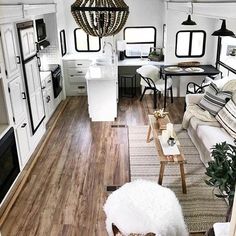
point(143, 207)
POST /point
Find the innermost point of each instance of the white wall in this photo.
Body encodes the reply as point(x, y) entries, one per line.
point(150, 13)
point(173, 22)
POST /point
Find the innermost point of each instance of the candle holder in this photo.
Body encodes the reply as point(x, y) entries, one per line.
point(171, 141)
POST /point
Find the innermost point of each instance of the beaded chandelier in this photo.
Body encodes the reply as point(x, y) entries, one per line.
point(100, 17)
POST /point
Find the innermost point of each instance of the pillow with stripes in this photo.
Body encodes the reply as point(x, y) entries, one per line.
point(214, 99)
point(227, 118)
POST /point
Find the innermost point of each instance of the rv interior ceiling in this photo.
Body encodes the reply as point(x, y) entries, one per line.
point(116, 110)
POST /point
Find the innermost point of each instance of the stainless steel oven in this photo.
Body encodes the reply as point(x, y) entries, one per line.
point(9, 164)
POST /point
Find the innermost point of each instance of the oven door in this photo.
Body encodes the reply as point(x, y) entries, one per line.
point(9, 165)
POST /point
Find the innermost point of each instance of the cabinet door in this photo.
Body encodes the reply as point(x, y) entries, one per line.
point(22, 134)
point(28, 43)
point(50, 103)
point(12, 59)
point(18, 97)
point(35, 92)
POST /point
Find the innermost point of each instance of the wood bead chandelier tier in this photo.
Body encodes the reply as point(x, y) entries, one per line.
point(100, 17)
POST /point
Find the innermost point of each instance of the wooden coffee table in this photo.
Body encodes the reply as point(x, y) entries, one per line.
point(155, 127)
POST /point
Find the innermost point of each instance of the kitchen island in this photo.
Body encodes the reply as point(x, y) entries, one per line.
point(102, 89)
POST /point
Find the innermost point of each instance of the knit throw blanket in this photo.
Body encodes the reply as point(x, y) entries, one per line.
point(205, 117)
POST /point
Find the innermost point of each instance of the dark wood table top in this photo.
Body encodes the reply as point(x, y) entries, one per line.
point(208, 70)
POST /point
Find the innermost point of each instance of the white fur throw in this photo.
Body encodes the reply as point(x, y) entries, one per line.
point(148, 71)
point(143, 207)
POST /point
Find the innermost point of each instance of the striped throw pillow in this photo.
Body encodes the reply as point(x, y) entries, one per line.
point(214, 99)
point(227, 118)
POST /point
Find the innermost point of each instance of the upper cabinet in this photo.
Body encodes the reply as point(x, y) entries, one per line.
point(12, 58)
point(28, 43)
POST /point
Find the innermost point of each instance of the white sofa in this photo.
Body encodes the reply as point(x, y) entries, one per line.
point(205, 134)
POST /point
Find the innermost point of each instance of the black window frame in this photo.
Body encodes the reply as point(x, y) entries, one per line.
point(100, 44)
point(140, 27)
point(190, 43)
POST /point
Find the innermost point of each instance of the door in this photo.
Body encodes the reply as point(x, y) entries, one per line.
point(35, 97)
point(18, 97)
point(28, 43)
point(22, 134)
point(12, 58)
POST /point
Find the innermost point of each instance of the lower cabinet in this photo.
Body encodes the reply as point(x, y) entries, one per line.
point(74, 74)
point(22, 135)
point(48, 96)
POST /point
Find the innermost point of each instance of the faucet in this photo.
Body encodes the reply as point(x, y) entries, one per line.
point(112, 51)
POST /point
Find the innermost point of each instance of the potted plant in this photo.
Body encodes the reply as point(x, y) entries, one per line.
point(222, 172)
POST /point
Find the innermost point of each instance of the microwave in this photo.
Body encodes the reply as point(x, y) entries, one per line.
point(40, 30)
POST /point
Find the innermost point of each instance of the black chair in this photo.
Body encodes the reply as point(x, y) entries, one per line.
point(157, 88)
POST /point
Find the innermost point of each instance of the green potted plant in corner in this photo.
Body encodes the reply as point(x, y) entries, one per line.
point(222, 172)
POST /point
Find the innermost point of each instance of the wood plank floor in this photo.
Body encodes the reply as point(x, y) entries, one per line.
point(66, 190)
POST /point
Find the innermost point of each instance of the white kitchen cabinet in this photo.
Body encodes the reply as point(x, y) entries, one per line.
point(18, 97)
point(22, 135)
point(102, 83)
point(11, 55)
point(28, 43)
point(48, 94)
point(74, 73)
point(34, 92)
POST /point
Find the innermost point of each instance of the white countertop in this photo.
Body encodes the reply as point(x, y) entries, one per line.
point(44, 74)
point(126, 62)
point(139, 62)
point(96, 72)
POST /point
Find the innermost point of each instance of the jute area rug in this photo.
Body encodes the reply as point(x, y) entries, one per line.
point(200, 207)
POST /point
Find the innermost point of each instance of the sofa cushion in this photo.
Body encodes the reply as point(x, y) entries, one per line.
point(227, 118)
point(231, 86)
point(214, 99)
point(210, 135)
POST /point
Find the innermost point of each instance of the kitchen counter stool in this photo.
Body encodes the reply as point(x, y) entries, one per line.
point(128, 85)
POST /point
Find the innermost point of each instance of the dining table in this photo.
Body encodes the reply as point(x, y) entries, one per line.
point(175, 70)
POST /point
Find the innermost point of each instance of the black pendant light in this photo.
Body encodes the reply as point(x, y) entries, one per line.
point(189, 21)
point(223, 31)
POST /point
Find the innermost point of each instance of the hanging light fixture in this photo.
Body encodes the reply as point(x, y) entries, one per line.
point(189, 21)
point(223, 31)
point(100, 17)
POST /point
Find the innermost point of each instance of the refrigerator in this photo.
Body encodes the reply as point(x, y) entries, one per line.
point(30, 63)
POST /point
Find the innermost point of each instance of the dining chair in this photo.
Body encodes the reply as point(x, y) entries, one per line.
point(150, 79)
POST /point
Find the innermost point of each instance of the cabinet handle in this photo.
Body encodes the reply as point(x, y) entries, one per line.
point(48, 99)
point(81, 87)
point(80, 72)
point(39, 61)
point(79, 64)
point(71, 75)
point(18, 60)
point(23, 95)
point(23, 126)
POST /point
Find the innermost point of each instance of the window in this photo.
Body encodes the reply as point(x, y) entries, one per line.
point(139, 40)
point(227, 54)
point(190, 43)
point(85, 42)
